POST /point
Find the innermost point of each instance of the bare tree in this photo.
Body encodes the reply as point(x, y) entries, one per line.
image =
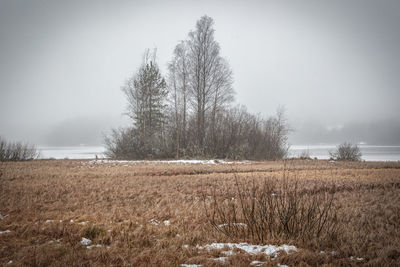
point(210, 76)
point(178, 82)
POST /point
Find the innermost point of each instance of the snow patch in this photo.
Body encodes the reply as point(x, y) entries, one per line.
point(5, 232)
point(269, 250)
point(86, 242)
point(356, 258)
point(190, 265)
point(167, 223)
point(232, 224)
point(127, 163)
point(281, 265)
point(221, 259)
point(154, 222)
point(228, 253)
point(257, 263)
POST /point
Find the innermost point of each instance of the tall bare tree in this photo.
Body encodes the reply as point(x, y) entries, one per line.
point(210, 76)
point(178, 79)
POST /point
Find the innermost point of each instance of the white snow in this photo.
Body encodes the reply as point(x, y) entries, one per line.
point(49, 221)
point(10, 262)
point(281, 265)
point(167, 223)
point(181, 161)
point(221, 259)
point(233, 224)
point(228, 253)
point(257, 263)
point(185, 246)
point(82, 223)
point(269, 250)
point(357, 258)
point(86, 242)
point(154, 222)
point(5, 232)
point(190, 265)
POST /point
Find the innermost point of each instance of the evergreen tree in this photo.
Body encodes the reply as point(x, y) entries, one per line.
point(146, 93)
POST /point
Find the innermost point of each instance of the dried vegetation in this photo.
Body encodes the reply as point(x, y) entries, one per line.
point(154, 214)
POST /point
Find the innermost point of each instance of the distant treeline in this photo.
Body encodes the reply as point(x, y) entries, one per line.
point(189, 112)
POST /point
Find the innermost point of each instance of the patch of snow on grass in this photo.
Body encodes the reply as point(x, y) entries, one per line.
point(190, 265)
point(233, 224)
point(86, 242)
point(281, 265)
point(167, 223)
point(357, 258)
point(269, 250)
point(181, 161)
point(228, 253)
point(5, 232)
point(221, 259)
point(10, 262)
point(257, 263)
point(154, 222)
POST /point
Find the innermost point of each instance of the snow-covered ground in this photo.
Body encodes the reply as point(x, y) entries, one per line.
point(186, 161)
point(230, 250)
point(269, 250)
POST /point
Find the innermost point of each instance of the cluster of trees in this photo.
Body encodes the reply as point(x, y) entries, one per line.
point(10, 151)
point(189, 112)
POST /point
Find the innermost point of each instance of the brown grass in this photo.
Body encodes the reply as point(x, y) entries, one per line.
point(121, 206)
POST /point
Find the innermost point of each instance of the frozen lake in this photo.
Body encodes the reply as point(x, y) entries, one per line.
point(71, 152)
point(369, 153)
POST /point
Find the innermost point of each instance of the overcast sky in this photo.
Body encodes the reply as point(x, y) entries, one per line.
point(334, 65)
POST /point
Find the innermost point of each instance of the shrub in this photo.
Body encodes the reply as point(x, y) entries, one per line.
point(271, 211)
point(346, 151)
point(17, 151)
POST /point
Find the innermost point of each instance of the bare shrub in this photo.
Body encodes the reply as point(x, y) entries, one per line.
point(346, 151)
point(17, 151)
point(274, 211)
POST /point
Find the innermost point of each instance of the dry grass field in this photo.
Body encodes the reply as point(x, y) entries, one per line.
point(148, 214)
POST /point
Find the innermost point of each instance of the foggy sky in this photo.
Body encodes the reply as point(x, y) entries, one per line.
point(334, 65)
